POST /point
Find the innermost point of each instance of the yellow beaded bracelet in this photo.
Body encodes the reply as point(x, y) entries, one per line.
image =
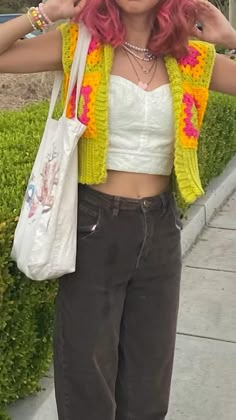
point(36, 19)
point(30, 20)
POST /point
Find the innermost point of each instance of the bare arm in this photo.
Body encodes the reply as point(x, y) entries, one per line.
point(224, 75)
point(42, 53)
point(217, 30)
point(13, 30)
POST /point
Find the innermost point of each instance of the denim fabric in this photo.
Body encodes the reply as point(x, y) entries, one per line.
point(116, 315)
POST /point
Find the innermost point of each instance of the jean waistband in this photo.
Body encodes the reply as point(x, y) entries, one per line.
point(103, 200)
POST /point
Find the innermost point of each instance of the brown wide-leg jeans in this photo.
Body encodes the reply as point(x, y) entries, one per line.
point(116, 315)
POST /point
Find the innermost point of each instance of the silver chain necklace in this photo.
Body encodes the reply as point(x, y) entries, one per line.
point(141, 84)
point(148, 56)
point(144, 69)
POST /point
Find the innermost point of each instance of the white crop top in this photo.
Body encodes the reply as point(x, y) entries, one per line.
point(141, 128)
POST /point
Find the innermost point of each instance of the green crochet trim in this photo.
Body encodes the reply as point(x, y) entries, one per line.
point(188, 181)
point(189, 81)
point(186, 168)
point(93, 152)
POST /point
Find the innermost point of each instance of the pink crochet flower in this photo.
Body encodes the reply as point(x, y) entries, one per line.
point(191, 59)
point(85, 93)
point(189, 129)
point(93, 46)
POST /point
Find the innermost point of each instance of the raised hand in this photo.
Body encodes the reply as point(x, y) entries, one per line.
point(215, 28)
point(63, 9)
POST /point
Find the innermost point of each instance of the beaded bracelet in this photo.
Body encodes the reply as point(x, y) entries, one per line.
point(31, 21)
point(44, 15)
point(38, 18)
point(35, 18)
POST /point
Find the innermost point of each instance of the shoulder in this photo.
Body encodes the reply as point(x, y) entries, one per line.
point(198, 63)
point(70, 33)
point(198, 52)
point(69, 29)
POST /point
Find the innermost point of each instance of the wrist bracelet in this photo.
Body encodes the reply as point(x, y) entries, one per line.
point(38, 18)
point(31, 21)
point(44, 15)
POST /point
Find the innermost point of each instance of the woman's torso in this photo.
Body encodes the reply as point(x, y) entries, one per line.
point(133, 184)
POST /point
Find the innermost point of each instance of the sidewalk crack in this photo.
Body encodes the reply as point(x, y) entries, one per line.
point(206, 338)
point(220, 228)
point(210, 269)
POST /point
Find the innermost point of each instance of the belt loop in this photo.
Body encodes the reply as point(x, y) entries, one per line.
point(116, 206)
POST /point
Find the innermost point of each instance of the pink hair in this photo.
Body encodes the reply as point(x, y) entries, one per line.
point(172, 25)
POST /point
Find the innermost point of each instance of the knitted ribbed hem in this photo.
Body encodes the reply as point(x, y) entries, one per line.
point(194, 71)
point(186, 166)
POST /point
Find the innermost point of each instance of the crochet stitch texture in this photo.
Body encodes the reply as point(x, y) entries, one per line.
point(189, 80)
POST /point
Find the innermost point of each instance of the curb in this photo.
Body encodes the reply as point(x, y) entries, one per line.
point(43, 406)
point(202, 211)
point(37, 407)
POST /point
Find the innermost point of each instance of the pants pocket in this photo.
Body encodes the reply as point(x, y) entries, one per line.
point(89, 221)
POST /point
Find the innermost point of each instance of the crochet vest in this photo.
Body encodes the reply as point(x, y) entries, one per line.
point(189, 80)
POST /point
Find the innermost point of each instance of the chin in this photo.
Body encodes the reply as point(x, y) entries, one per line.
point(137, 6)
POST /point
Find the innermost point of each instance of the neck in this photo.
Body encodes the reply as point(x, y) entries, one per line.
point(138, 29)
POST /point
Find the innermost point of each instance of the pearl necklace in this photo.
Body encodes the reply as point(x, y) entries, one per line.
point(133, 47)
point(147, 57)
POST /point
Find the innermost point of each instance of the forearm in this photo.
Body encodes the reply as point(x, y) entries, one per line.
point(17, 28)
point(230, 41)
point(13, 30)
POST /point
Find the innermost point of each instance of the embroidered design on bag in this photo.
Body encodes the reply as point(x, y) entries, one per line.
point(44, 194)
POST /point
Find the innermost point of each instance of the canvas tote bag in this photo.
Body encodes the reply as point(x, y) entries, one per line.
point(44, 245)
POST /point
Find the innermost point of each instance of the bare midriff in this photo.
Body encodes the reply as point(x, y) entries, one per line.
point(133, 185)
point(130, 184)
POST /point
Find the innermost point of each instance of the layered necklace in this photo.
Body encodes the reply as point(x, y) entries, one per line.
point(141, 60)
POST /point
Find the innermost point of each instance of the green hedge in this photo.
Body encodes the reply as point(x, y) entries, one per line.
point(217, 143)
point(26, 307)
point(26, 315)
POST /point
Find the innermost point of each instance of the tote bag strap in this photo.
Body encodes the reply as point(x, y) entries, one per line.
point(76, 74)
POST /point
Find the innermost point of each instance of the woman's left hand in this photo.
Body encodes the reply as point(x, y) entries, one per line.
point(215, 28)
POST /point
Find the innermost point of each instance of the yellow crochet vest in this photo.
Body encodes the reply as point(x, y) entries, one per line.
point(189, 80)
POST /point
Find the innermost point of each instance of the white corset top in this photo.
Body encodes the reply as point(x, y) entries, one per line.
point(141, 128)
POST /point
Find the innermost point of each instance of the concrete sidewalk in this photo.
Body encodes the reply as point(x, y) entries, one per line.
point(204, 381)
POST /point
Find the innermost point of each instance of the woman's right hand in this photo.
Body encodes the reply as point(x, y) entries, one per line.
point(63, 9)
point(42, 53)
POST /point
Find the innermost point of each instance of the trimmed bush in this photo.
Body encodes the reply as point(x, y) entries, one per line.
point(220, 49)
point(27, 307)
point(217, 143)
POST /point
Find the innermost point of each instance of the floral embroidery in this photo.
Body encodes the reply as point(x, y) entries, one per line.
point(43, 195)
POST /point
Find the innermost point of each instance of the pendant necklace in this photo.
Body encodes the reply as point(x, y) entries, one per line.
point(145, 70)
point(141, 84)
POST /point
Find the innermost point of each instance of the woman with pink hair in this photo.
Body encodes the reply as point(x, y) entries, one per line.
point(143, 99)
